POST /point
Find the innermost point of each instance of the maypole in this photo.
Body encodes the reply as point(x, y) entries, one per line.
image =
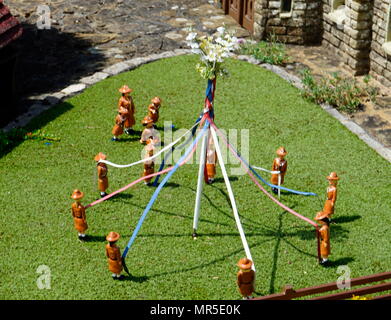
point(213, 52)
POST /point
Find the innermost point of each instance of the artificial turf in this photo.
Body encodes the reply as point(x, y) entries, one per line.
point(37, 180)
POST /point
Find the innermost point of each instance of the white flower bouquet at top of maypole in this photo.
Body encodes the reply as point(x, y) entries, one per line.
point(213, 51)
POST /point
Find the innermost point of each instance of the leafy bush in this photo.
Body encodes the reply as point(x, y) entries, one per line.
point(271, 51)
point(345, 94)
point(14, 136)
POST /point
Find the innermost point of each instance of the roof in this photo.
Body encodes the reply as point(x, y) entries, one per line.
point(10, 28)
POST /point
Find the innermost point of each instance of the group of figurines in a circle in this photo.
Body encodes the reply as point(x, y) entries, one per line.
point(245, 276)
point(323, 217)
point(125, 119)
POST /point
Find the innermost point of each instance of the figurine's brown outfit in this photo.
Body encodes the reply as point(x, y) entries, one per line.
point(149, 166)
point(118, 128)
point(113, 254)
point(246, 282)
point(324, 241)
point(79, 217)
point(153, 112)
point(330, 202)
point(279, 165)
point(127, 103)
point(103, 181)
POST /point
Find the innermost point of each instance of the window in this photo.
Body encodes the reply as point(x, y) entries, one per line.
point(286, 8)
point(338, 11)
point(337, 4)
point(387, 42)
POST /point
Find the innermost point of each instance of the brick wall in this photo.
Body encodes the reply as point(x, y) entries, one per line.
point(358, 38)
point(300, 27)
point(352, 38)
point(380, 59)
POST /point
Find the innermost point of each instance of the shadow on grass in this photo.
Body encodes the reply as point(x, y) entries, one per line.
point(16, 136)
point(129, 138)
point(336, 233)
point(338, 262)
point(92, 238)
point(183, 216)
point(211, 262)
point(135, 279)
point(121, 196)
point(346, 219)
point(221, 180)
point(169, 184)
point(200, 234)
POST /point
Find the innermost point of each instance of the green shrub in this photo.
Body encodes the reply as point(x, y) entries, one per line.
point(13, 137)
point(345, 94)
point(272, 51)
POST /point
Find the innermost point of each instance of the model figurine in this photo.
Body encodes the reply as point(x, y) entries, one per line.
point(103, 181)
point(153, 109)
point(79, 214)
point(149, 131)
point(331, 194)
point(279, 164)
point(113, 254)
point(246, 278)
point(120, 119)
point(324, 232)
point(126, 102)
point(149, 165)
point(211, 158)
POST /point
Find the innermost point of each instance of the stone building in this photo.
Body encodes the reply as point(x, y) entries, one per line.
point(358, 30)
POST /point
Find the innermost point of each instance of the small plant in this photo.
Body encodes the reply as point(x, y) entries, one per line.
point(14, 136)
point(271, 51)
point(371, 91)
point(342, 93)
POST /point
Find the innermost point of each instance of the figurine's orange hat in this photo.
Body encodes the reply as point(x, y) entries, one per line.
point(156, 100)
point(281, 151)
point(333, 176)
point(100, 156)
point(77, 194)
point(147, 120)
point(245, 264)
point(125, 89)
point(112, 236)
point(321, 215)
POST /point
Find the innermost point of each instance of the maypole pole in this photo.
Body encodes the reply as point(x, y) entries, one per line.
point(208, 109)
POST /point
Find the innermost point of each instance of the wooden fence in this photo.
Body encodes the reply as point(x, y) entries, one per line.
point(289, 293)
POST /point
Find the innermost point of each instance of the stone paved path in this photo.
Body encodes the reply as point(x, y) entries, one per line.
point(375, 118)
point(88, 36)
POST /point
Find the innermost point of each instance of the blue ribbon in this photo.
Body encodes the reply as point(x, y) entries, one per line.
point(269, 184)
point(209, 91)
point(193, 131)
point(159, 188)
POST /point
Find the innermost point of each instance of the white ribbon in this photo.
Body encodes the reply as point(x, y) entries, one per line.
point(149, 158)
point(262, 169)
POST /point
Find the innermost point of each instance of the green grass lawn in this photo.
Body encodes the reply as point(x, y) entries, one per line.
point(37, 181)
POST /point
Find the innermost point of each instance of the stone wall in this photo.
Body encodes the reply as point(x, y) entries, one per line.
point(380, 58)
point(301, 26)
point(351, 36)
point(358, 32)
